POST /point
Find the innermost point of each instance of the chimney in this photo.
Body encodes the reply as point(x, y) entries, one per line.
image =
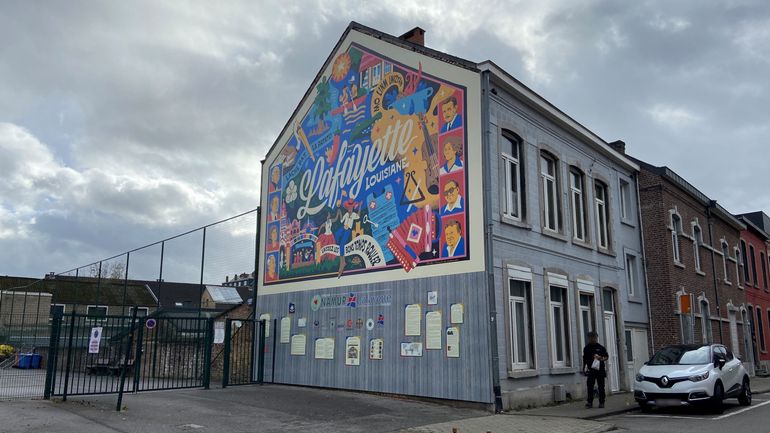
point(415, 36)
point(619, 146)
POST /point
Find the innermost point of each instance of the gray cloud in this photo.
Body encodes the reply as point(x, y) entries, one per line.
point(121, 123)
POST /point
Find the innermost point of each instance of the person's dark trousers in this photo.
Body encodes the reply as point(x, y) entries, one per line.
point(598, 379)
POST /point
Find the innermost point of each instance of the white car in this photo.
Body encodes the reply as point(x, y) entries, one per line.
point(692, 374)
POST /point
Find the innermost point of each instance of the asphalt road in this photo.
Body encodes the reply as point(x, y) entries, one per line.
point(736, 419)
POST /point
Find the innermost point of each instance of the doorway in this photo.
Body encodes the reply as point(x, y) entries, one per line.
point(611, 335)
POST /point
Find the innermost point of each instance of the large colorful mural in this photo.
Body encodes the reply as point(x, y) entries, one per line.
point(372, 177)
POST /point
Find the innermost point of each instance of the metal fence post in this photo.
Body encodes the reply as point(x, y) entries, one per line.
point(261, 355)
point(207, 353)
point(138, 352)
point(69, 357)
point(226, 353)
point(126, 358)
point(53, 345)
point(272, 365)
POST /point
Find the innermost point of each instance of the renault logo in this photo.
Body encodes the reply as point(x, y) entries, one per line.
point(664, 380)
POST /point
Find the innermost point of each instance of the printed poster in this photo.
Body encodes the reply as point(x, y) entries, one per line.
point(433, 330)
point(324, 348)
point(413, 320)
point(298, 343)
point(411, 348)
point(267, 318)
point(95, 339)
point(453, 342)
point(353, 351)
point(285, 329)
point(456, 312)
point(376, 345)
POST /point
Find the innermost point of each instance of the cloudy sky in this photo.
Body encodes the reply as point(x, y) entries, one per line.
point(125, 122)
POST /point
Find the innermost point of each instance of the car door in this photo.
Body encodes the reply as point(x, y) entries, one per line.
point(729, 371)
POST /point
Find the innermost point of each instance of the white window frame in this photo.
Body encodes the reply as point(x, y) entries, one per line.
point(760, 329)
point(763, 263)
point(100, 319)
point(63, 308)
point(526, 303)
point(676, 226)
point(586, 288)
point(738, 265)
point(550, 202)
point(625, 200)
point(725, 256)
point(577, 196)
point(631, 274)
point(697, 239)
point(510, 178)
point(754, 273)
point(563, 307)
point(602, 215)
point(707, 333)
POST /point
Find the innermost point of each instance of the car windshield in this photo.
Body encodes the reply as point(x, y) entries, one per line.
point(681, 355)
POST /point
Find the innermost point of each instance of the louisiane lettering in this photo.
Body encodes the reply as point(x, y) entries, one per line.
point(323, 184)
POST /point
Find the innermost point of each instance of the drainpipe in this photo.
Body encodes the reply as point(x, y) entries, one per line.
point(644, 262)
point(489, 261)
point(712, 204)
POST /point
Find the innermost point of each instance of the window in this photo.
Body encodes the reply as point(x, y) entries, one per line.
point(764, 268)
point(745, 256)
point(629, 347)
point(625, 200)
point(587, 316)
point(609, 300)
point(577, 197)
point(738, 265)
point(761, 331)
point(725, 256)
point(376, 73)
point(676, 228)
point(57, 308)
point(548, 173)
point(519, 307)
point(560, 347)
point(697, 240)
point(514, 179)
point(631, 274)
point(753, 264)
point(602, 215)
point(140, 311)
point(705, 321)
point(96, 312)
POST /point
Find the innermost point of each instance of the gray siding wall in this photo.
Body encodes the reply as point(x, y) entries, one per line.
point(526, 245)
point(432, 375)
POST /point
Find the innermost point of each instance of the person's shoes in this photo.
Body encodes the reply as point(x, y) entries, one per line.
point(601, 405)
point(589, 405)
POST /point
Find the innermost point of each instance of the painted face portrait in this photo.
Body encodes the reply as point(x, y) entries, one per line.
point(273, 235)
point(452, 234)
point(275, 175)
point(271, 266)
point(448, 110)
point(451, 192)
point(274, 205)
point(449, 151)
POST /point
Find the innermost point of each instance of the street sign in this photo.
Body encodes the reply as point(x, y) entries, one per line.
point(95, 339)
point(151, 323)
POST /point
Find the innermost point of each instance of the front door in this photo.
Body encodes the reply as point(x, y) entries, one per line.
point(611, 330)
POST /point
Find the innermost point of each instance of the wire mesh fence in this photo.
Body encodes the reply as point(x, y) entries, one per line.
point(203, 274)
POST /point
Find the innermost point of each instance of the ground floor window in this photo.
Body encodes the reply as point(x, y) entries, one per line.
point(560, 335)
point(521, 332)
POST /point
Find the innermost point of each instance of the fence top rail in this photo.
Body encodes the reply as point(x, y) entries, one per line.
point(162, 240)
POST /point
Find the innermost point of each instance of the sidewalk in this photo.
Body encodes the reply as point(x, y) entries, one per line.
point(515, 424)
point(615, 404)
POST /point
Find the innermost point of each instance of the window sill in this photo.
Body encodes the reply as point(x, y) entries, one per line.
point(582, 244)
point(727, 282)
point(701, 273)
point(606, 252)
point(505, 219)
point(555, 235)
point(521, 374)
point(628, 223)
point(679, 265)
point(562, 370)
point(635, 300)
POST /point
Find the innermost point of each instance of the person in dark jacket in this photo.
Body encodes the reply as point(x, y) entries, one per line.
point(594, 351)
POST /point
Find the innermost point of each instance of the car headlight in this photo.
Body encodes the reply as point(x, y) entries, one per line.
point(639, 377)
point(699, 377)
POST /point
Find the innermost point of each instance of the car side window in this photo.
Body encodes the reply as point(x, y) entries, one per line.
point(730, 356)
point(720, 351)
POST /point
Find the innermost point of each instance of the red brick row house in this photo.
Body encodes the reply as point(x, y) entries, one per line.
point(693, 264)
point(754, 242)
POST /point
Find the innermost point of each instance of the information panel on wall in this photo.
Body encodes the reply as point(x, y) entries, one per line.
point(372, 176)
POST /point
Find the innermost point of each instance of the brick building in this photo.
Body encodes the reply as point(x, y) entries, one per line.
point(693, 257)
point(754, 250)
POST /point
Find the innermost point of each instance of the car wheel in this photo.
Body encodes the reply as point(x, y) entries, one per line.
point(717, 400)
point(646, 408)
point(745, 397)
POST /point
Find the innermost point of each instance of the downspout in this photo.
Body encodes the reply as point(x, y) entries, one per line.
point(711, 205)
point(644, 261)
point(489, 260)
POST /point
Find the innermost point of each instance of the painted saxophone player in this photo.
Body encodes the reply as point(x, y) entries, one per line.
point(372, 177)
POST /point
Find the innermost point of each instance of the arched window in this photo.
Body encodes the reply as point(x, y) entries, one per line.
point(705, 321)
point(577, 203)
point(745, 256)
point(549, 174)
point(602, 211)
point(513, 204)
point(697, 240)
point(725, 256)
point(676, 229)
point(753, 263)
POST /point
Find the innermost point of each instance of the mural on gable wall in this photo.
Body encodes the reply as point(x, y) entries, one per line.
point(372, 177)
